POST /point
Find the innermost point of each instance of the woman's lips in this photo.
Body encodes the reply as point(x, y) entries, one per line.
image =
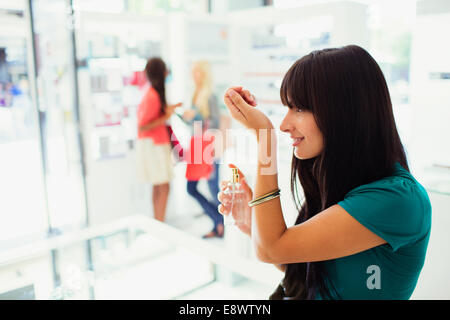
point(297, 141)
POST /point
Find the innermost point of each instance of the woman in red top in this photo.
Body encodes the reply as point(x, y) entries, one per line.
point(153, 145)
point(201, 163)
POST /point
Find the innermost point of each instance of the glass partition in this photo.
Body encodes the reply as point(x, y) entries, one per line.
point(57, 91)
point(21, 185)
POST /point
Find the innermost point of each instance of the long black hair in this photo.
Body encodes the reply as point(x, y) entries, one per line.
point(156, 70)
point(346, 91)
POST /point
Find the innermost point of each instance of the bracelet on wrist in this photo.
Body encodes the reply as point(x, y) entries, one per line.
point(263, 200)
point(265, 197)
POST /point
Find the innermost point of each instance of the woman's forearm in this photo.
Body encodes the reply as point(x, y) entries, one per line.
point(267, 218)
point(153, 124)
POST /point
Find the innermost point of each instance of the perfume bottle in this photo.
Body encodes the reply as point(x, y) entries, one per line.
point(234, 187)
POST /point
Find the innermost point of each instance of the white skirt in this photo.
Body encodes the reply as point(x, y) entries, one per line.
point(154, 161)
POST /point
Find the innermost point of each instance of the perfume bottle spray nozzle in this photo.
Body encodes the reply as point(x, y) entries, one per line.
point(235, 175)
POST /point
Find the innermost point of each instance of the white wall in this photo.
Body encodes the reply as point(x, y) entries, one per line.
point(434, 280)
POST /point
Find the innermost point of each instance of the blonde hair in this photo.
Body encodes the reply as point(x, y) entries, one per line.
point(204, 91)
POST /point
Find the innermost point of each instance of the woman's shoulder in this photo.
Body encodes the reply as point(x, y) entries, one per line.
point(400, 192)
point(151, 92)
point(397, 208)
point(400, 180)
point(151, 96)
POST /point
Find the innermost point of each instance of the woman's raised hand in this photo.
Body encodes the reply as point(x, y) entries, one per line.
point(189, 114)
point(241, 104)
point(225, 199)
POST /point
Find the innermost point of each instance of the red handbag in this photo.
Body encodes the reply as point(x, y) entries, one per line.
point(199, 165)
point(177, 148)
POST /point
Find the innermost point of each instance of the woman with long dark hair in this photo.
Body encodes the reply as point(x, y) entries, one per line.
point(364, 221)
point(153, 147)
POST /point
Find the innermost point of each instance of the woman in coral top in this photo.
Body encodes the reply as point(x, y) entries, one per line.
point(153, 144)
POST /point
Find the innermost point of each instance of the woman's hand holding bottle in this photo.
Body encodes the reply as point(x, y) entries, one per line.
point(234, 200)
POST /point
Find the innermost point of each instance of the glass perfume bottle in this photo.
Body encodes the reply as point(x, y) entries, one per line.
point(234, 187)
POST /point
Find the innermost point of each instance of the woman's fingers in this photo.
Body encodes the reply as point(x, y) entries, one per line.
point(238, 101)
point(224, 198)
point(224, 184)
point(234, 110)
point(248, 95)
point(179, 104)
point(249, 98)
point(238, 89)
point(223, 210)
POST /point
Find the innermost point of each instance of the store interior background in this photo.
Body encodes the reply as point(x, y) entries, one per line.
point(76, 222)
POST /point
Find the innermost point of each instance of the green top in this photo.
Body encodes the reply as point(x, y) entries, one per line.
point(397, 209)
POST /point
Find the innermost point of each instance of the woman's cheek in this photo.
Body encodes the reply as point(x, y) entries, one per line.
point(308, 148)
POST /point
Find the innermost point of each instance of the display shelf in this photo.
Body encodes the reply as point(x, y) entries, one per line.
point(435, 178)
point(126, 245)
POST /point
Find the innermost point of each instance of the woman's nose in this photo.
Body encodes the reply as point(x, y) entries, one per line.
point(285, 125)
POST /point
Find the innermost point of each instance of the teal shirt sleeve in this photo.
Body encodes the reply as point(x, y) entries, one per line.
point(393, 209)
